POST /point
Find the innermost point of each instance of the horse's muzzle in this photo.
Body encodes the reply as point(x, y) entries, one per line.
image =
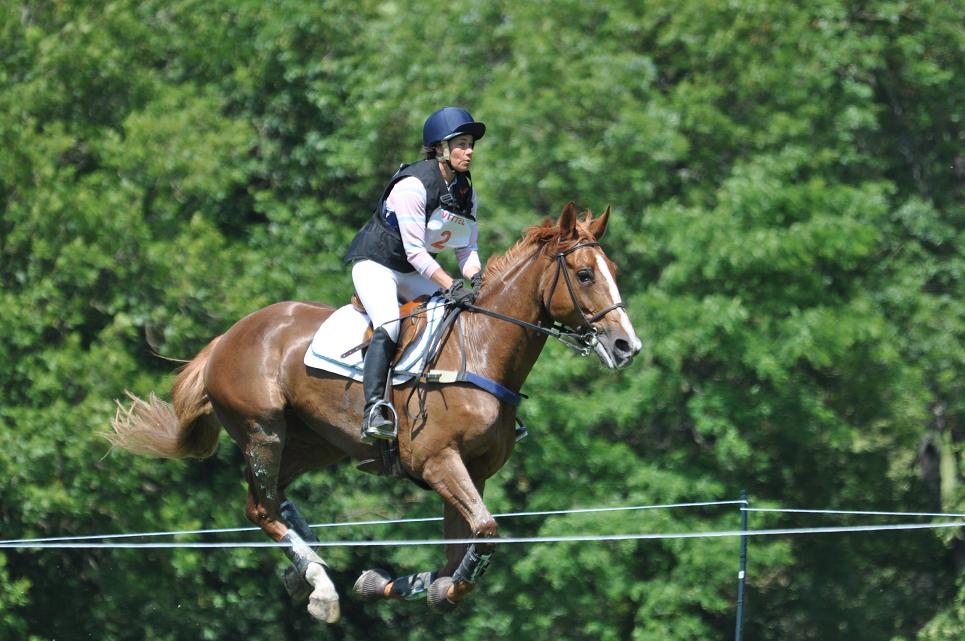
point(624, 352)
point(616, 349)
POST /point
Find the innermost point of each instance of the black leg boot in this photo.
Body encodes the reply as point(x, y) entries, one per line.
point(378, 419)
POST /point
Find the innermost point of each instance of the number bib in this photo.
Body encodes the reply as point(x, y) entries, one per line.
point(446, 230)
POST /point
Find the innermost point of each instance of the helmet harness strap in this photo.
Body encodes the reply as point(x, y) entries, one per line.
point(446, 156)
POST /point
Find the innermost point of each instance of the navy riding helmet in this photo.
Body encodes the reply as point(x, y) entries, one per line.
point(448, 123)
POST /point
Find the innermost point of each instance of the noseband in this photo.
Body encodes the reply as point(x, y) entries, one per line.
point(582, 341)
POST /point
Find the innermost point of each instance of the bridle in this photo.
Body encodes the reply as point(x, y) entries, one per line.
point(561, 268)
point(582, 340)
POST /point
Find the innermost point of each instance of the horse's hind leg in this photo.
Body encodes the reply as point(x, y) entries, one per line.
point(264, 442)
point(296, 584)
point(307, 576)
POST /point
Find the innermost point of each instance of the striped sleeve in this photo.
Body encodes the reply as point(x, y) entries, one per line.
point(408, 200)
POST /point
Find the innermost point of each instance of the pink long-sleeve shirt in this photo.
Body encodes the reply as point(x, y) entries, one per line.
point(444, 230)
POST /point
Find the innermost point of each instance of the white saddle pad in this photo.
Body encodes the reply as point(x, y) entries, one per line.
point(345, 329)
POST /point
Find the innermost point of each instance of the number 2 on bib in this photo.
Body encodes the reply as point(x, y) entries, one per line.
point(441, 243)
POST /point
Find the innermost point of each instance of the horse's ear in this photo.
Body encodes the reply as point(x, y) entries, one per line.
point(567, 221)
point(598, 226)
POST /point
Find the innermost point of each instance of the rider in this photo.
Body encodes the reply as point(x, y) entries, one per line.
point(426, 207)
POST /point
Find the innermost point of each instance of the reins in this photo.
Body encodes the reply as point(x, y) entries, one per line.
point(580, 342)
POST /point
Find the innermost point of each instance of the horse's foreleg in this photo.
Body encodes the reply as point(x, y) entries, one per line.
point(374, 585)
point(466, 516)
point(465, 564)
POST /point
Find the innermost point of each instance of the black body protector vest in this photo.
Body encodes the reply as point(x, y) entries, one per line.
point(379, 240)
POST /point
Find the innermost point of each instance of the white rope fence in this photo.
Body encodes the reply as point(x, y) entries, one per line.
point(428, 519)
point(115, 541)
point(500, 541)
point(852, 512)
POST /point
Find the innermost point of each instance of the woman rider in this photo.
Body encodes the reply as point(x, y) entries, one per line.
point(427, 207)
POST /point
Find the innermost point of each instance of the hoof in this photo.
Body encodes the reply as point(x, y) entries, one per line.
point(323, 605)
point(439, 595)
point(323, 602)
point(371, 585)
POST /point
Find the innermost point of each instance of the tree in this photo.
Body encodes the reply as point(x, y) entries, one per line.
point(786, 183)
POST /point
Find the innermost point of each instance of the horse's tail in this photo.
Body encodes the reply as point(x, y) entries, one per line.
point(184, 428)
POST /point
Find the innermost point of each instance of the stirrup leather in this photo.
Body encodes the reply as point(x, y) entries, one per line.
point(377, 427)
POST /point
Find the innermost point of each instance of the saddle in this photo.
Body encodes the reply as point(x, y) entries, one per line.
point(410, 327)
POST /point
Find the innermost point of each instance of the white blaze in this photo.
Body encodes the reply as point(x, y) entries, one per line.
point(615, 297)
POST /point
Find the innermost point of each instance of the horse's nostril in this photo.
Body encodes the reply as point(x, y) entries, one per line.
point(621, 346)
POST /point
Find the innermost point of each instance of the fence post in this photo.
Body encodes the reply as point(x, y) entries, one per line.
point(739, 633)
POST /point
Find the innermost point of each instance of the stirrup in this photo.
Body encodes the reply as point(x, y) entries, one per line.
point(521, 431)
point(376, 426)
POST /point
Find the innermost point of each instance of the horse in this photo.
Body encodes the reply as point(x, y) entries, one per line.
point(288, 419)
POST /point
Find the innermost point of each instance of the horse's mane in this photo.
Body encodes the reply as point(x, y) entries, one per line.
point(545, 235)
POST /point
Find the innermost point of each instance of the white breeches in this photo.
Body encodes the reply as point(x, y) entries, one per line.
point(380, 288)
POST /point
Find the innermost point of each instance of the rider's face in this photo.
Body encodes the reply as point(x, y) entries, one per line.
point(460, 152)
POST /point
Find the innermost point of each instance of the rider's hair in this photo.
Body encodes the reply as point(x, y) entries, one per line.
point(431, 153)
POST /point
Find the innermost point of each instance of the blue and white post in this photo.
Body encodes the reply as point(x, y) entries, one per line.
point(739, 633)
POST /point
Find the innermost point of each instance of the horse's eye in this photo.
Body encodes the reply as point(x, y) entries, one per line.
point(585, 276)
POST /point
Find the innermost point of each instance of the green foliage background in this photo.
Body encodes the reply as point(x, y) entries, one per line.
point(787, 186)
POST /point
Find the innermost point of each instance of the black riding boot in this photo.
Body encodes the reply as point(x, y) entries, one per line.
point(378, 420)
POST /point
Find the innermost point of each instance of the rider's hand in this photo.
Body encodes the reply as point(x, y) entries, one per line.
point(458, 295)
point(476, 282)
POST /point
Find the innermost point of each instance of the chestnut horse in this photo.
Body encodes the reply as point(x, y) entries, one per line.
point(288, 420)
